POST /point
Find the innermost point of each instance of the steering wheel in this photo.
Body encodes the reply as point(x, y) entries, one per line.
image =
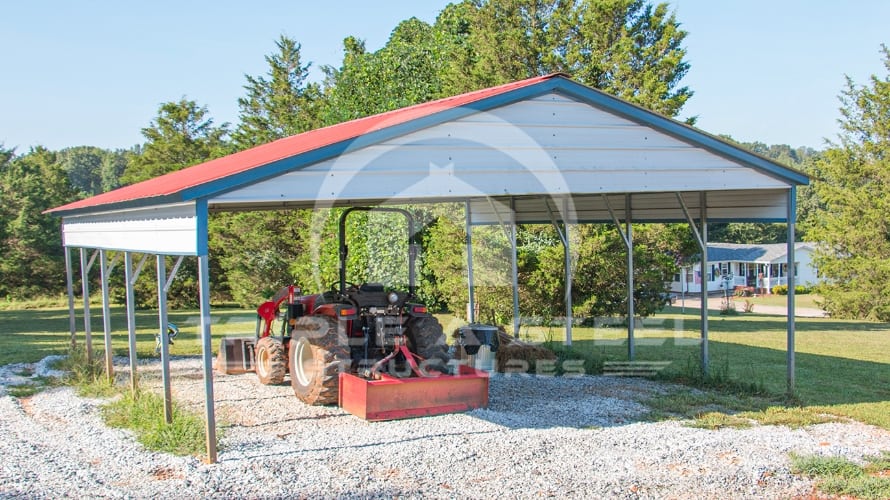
point(335, 286)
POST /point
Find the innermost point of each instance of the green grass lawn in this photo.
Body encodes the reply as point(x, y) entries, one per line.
point(28, 335)
point(842, 366)
point(808, 300)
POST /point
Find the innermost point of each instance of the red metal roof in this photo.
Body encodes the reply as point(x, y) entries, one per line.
point(176, 182)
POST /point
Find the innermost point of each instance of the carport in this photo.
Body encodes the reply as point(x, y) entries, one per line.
point(543, 150)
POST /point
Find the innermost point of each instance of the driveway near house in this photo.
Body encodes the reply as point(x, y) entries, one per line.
point(716, 303)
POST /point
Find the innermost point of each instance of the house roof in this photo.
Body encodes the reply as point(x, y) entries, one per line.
point(267, 161)
point(765, 253)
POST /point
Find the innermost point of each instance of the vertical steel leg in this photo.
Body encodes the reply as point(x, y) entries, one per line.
point(131, 319)
point(705, 358)
point(568, 278)
point(792, 217)
point(471, 286)
point(69, 287)
point(204, 291)
point(628, 234)
point(106, 316)
point(85, 286)
point(165, 350)
point(515, 269)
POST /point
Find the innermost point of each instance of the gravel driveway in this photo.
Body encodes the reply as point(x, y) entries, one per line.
point(540, 437)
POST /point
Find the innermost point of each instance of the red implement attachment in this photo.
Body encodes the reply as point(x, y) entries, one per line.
point(392, 398)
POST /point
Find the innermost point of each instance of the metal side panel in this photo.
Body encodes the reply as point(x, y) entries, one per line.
point(394, 398)
point(165, 229)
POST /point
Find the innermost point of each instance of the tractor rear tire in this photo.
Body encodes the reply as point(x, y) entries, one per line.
point(271, 361)
point(427, 340)
point(317, 356)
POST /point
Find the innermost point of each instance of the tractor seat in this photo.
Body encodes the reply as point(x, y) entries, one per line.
point(371, 287)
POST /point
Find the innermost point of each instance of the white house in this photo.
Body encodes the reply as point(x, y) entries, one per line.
point(759, 266)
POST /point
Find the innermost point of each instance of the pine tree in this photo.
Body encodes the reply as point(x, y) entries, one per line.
point(853, 180)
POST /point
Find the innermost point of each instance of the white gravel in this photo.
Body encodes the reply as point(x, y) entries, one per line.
point(541, 436)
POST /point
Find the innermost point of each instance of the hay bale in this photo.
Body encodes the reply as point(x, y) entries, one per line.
point(519, 356)
point(513, 355)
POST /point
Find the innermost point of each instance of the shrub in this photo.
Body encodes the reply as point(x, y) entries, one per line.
point(798, 289)
point(728, 309)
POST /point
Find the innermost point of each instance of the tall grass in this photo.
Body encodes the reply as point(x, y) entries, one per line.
point(141, 412)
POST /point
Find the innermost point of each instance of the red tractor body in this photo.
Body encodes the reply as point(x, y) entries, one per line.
point(375, 351)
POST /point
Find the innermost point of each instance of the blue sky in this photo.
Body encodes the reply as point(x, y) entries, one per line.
point(94, 73)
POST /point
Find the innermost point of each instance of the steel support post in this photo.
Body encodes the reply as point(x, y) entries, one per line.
point(204, 292)
point(165, 350)
point(471, 286)
point(703, 208)
point(69, 287)
point(129, 281)
point(629, 243)
point(85, 287)
point(104, 271)
point(627, 239)
point(513, 258)
point(792, 217)
point(567, 239)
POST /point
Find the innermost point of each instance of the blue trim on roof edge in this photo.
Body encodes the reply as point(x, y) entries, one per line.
point(557, 83)
point(147, 202)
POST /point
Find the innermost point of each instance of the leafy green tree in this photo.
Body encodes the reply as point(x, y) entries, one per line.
point(256, 250)
point(599, 286)
point(182, 135)
point(407, 70)
point(628, 48)
point(84, 167)
point(281, 104)
point(853, 179)
point(32, 262)
point(114, 163)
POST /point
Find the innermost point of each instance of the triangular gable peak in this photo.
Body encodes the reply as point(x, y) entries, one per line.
point(552, 145)
point(545, 135)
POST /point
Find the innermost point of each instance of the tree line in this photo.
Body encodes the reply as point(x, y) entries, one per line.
point(630, 48)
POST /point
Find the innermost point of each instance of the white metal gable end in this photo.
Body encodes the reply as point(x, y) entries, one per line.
point(551, 145)
point(165, 229)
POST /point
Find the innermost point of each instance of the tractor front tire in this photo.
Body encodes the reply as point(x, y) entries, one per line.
point(271, 361)
point(317, 356)
point(427, 340)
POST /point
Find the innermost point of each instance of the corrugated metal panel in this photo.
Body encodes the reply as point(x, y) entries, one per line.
point(169, 229)
point(550, 145)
